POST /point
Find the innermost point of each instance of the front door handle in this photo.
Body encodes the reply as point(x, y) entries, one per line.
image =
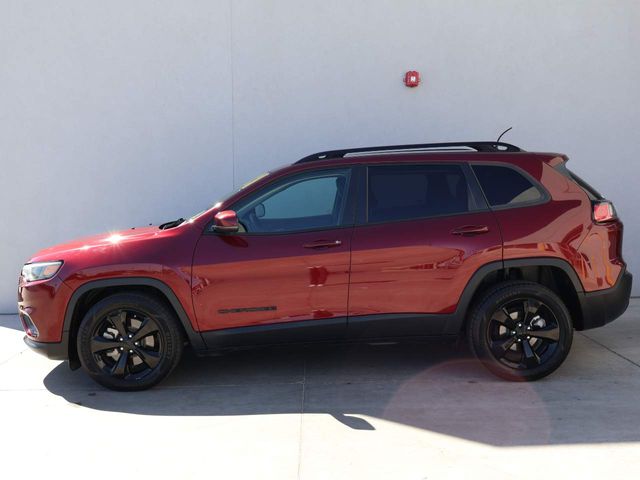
point(470, 230)
point(323, 244)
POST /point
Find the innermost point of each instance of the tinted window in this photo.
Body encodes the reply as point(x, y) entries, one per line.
point(505, 186)
point(415, 191)
point(304, 202)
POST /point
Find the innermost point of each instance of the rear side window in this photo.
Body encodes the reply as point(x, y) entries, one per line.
point(506, 187)
point(591, 192)
point(403, 192)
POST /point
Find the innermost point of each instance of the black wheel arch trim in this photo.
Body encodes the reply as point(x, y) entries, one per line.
point(194, 337)
point(456, 322)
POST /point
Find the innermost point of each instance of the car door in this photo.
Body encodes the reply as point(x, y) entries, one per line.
point(285, 276)
point(424, 232)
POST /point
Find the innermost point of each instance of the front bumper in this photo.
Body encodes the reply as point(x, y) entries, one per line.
point(604, 306)
point(51, 350)
point(41, 307)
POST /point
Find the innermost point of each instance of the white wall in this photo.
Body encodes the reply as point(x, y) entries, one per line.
point(120, 113)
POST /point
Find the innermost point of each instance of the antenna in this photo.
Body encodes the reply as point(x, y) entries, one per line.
point(503, 134)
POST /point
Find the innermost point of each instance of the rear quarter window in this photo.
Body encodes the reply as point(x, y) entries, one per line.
point(506, 187)
point(591, 192)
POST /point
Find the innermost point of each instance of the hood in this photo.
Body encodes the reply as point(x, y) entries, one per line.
point(104, 241)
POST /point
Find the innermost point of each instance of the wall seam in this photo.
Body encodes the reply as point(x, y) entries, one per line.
point(233, 111)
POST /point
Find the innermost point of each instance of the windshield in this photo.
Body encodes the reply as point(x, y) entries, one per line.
point(229, 194)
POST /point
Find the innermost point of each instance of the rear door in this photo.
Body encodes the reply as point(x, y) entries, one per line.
point(424, 231)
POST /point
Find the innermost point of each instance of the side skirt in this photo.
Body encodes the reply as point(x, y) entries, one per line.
point(334, 330)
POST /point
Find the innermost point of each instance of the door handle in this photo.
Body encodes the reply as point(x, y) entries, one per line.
point(323, 244)
point(470, 230)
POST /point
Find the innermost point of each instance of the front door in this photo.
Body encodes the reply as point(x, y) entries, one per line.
point(285, 276)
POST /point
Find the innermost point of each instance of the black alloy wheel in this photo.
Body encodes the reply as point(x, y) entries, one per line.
point(127, 344)
point(129, 341)
point(520, 330)
point(523, 333)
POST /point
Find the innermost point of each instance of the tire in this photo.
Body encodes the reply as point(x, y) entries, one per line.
point(129, 341)
point(520, 331)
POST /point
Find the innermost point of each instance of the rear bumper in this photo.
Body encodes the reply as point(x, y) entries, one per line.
point(604, 306)
point(53, 350)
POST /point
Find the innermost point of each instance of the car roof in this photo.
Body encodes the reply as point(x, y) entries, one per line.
point(434, 157)
point(426, 152)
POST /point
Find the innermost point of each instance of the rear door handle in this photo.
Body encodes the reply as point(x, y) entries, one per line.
point(323, 244)
point(470, 230)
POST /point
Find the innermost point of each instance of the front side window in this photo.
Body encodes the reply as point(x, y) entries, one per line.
point(504, 186)
point(403, 192)
point(310, 201)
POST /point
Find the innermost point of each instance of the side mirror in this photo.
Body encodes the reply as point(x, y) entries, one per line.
point(226, 222)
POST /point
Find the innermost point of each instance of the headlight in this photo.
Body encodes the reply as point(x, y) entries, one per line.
point(40, 271)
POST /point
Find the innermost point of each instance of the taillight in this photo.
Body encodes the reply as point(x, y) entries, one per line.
point(603, 211)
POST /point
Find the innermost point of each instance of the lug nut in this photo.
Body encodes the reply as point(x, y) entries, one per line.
point(513, 332)
point(528, 337)
point(120, 339)
point(130, 351)
point(136, 344)
point(121, 348)
point(130, 335)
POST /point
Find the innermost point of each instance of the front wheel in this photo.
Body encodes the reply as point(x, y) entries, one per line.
point(520, 331)
point(129, 341)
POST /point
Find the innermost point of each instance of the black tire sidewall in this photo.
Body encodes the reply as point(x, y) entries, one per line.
point(503, 293)
point(148, 305)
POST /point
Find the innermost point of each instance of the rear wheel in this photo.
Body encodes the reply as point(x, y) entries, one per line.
point(129, 341)
point(520, 331)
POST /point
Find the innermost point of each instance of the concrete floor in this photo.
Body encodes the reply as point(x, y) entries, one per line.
point(392, 412)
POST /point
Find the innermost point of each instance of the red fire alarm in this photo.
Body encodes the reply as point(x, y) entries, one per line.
point(412, 79)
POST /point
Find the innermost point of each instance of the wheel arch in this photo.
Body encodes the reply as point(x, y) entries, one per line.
point(91, 292)
point(554, 273)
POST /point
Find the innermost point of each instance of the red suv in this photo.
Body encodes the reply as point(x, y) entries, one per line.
point(480, 239)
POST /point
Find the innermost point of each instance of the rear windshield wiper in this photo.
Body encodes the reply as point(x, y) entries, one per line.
point(171, 224)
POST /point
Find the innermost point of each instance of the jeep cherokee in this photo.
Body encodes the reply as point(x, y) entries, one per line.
point(506, 247)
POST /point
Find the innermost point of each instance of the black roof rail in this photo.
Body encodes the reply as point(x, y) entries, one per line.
point(477, 146)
